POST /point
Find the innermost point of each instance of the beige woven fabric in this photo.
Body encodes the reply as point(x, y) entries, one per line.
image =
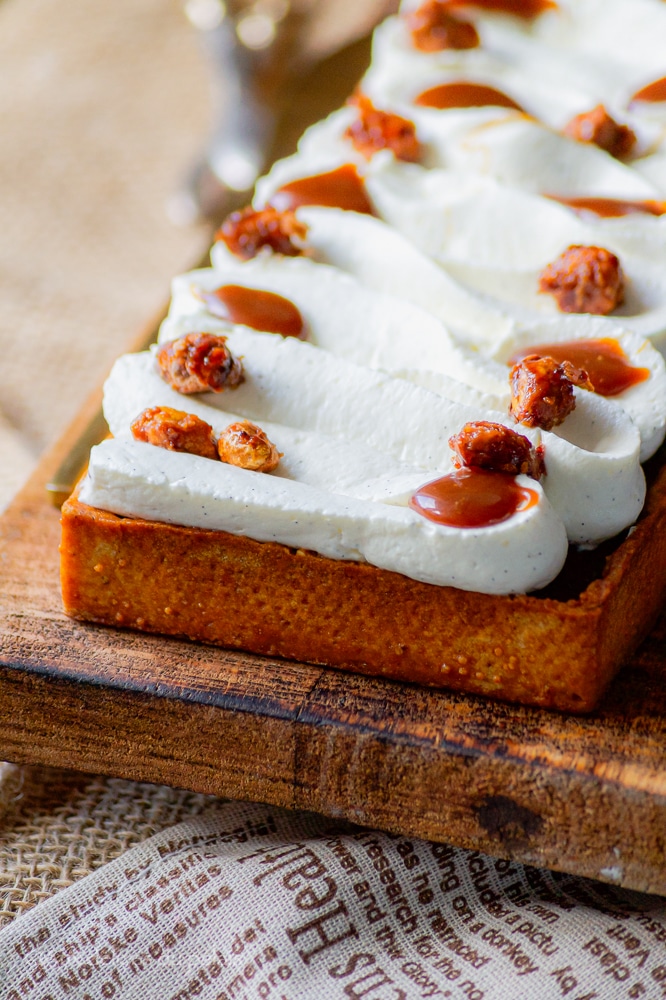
point(59, 826)
point(102, 109)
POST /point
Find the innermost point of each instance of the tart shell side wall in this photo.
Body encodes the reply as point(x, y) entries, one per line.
point(266, 598)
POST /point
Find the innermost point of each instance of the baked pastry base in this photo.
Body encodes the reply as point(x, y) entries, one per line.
point(549, 649)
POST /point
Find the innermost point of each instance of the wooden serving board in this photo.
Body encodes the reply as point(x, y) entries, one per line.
point(583, 795)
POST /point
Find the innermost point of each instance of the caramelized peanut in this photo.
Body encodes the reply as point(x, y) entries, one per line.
point(374, 130)
point(199, 362)
point(482, 444)
point(247, 446)
point(175, 430)
point(598, 127)
point(542, 391)
point(434, 28)
point(248, 231)
point(584, 279)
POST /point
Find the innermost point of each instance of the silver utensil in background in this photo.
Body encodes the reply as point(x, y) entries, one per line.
point(259, 52)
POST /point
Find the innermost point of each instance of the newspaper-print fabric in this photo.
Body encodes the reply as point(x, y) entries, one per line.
point(256, 903)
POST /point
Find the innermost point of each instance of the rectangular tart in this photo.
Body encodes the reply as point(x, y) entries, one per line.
point(351, 229)
point(559, 649)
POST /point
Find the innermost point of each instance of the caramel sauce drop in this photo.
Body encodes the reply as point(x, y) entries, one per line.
point(604, 361)
point(462, 94)
point(472, 498)
point(340, 188)
point(527, 9)
point(611, 208)
point(653, 92)
point(253, 307)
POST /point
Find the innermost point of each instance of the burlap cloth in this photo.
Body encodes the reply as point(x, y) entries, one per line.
point(102, 109)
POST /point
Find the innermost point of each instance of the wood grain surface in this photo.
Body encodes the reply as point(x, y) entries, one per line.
point(585, 795)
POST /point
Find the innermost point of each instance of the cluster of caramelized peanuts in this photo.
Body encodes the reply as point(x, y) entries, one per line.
point(243, 443)
point(201, 362)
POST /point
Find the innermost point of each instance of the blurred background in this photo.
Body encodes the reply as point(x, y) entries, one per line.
point(107, 114)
